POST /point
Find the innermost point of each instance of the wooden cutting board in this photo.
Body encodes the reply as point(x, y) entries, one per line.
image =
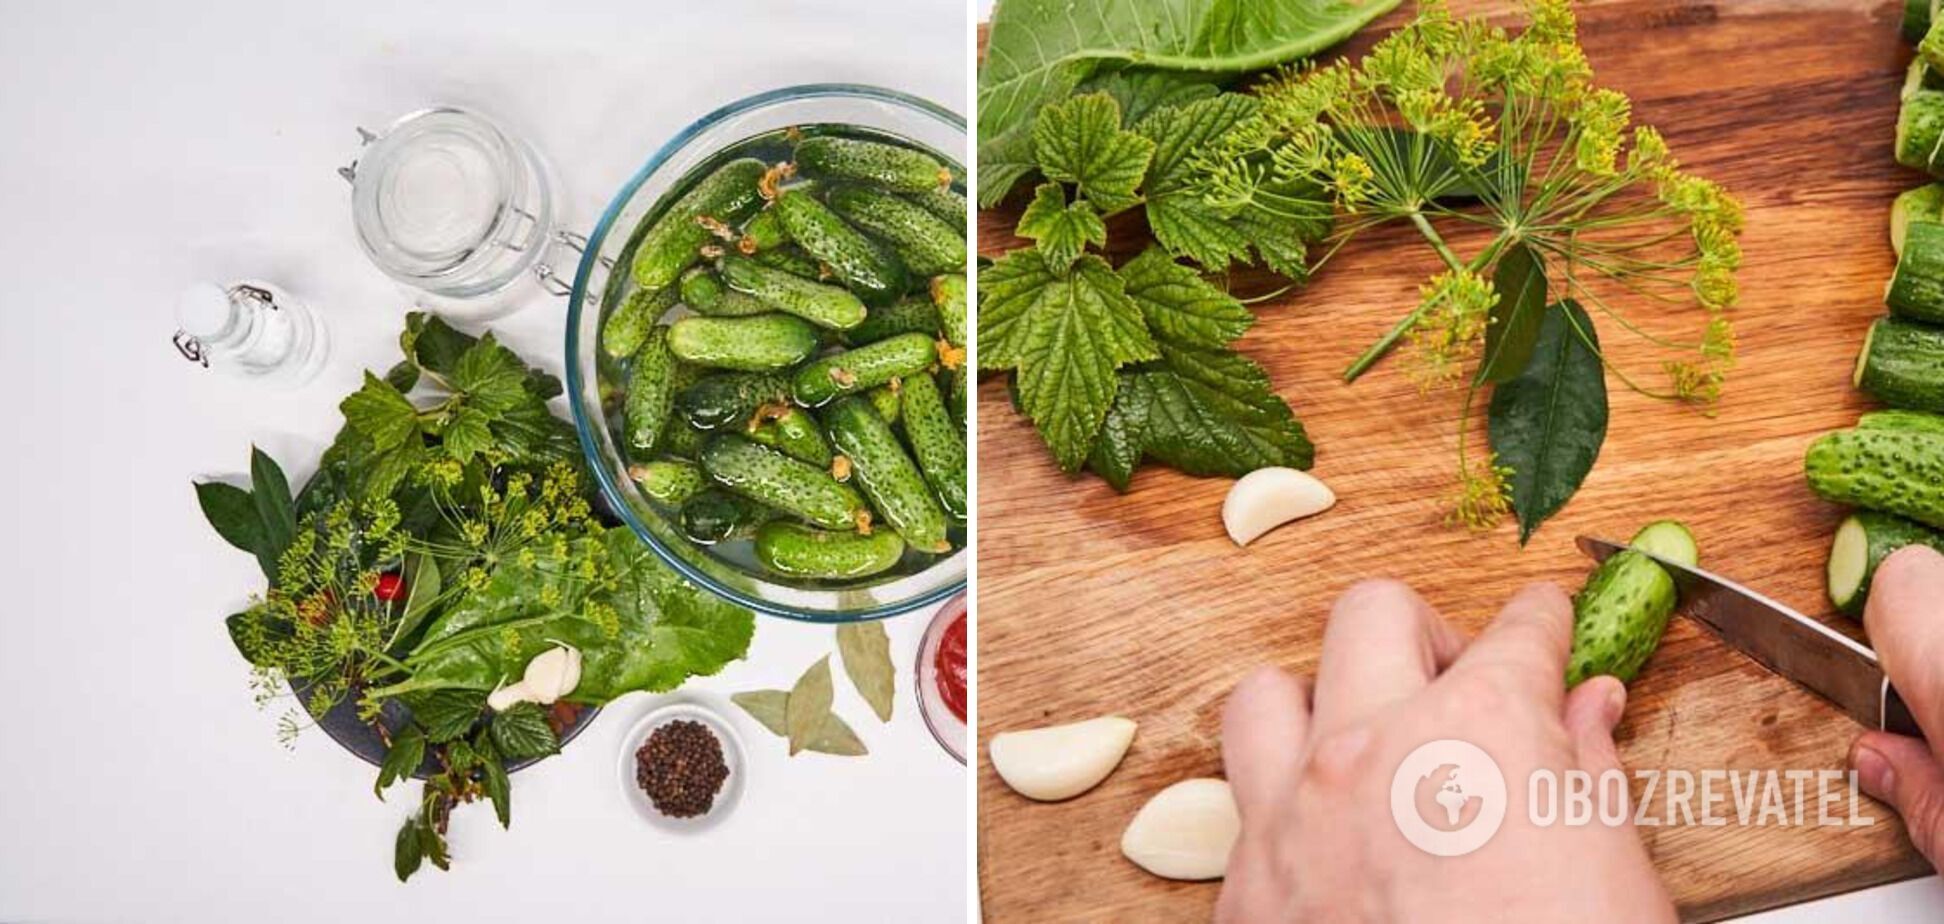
point(1092, 602)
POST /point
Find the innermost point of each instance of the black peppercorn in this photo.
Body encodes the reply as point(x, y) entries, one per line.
point(681, 768)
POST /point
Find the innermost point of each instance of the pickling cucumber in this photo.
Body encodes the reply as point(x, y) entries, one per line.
point(1864, 540)
point(1901, 420)
point(1618, 617)
point(1925, 203)
point(681, 438)
point(796, 433)
point(1920, 129)
point(1889, 470)
point(625, 329)
point(823, 305)
point(752, 344)
point(705, 293)
point(925, 243)
point(904, 316)
point(669, 481)
point(1902, 364)
point(651, 390)
point(763, 232)
point(863, 368)
point(948, 293)
point(766, 475)
point(889, 478)
point(1916, 290)
point(936, 441)
point(887, 165)
point(796, 550)
point(885, 400)
point(948, 204)
point(675, 241)
point(794, 261)
point(871, 271)
point(730, 399)
point(714, 515)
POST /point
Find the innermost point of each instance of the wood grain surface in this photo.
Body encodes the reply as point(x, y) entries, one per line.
point(1091, 602)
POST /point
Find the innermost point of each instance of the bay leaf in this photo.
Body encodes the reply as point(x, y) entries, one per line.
point(1513, 330)
point(834, 736)
point(866, 650)
point(808, 705)
point(768, 707)
point(1547, 423)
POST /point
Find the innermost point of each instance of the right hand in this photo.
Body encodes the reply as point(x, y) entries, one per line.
point(1905, 619)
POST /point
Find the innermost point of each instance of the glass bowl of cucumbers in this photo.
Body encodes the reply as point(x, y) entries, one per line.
point(766, 352)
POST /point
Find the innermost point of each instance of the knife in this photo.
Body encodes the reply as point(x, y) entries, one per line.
point(1817, 658)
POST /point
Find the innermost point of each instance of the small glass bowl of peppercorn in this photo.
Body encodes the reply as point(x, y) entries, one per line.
point(682, 767)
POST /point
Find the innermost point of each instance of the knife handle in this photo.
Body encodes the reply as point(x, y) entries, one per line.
point(1897, 719)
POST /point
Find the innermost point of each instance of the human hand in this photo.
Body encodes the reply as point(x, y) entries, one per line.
point(1905, 619)
point(1312, 782)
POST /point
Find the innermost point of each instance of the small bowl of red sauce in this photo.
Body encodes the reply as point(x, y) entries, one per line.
point(942, 677)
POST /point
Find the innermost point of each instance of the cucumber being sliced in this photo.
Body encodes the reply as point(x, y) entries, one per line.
point(1902, 364)
point(1618, 618)
point(1916, 289)
point(1864, 540)
point(1925, 203)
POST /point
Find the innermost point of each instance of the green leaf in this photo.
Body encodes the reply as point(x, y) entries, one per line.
point(433, 344)
point(270, 491)
point(1214, 412)
point(401, 760)
point(1118, 451)
point(433, 845)
point(1178, 206)
point(1061, 231)
point(232, 513)
point(253, 633)
point(809, 704)
point(1180, 133)
point(1140, 91)
point(1008, 291)
point(866, 651)
point(833, 735)
point(403, 375)
point(423, 586)
point(1188, 226)
point(770, 708)
point(407, 851)
point(498, 788)
point(447, 714)
point(1081, 141)
point(1180, 305)
point(1548, 423)
point(378, 411)
point(1081, 329)
point(467, 434)
point(522, 731)
point(492, 377)
point(1513, 328)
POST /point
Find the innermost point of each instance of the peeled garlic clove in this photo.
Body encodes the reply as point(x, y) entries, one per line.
point(548, 674)
point(1185, 831)
point(1269, 497)
point(570, 678)
point(1060, 761)
point(507, 696)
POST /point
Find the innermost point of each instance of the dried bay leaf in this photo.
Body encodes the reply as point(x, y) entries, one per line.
point(769, 707)
point(809, 703)
point(866, 650)
point(834, 736)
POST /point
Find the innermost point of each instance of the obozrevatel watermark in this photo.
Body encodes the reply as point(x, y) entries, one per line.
point(1448, 798)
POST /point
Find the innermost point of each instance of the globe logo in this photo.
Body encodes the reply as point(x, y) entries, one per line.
point(1448, 797)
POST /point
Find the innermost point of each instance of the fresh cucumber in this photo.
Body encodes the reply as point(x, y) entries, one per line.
point(675, 241)
point(823, 305)
point(651, 390)
point(714, 515)
point(871, 271)
point(1925, 203)
point(948, 204)
point(887, 165)
point(795, 550)
point(794, 261)
point(1619, 616)
point(925, 243)
point(730, 399)
point(863, 368)
point(681, 438)
point(1901, 420)
point(1864, 540)
point(948, 293)
point(1902, 364)
point(795, 432)
point(886, 401)
point(627, 326)
point(904, 316)
point(936, 441)
point(669, 481)
point(1889, 470)
point(1916, 290)
point(766, 475)
point(763, 232)
point(889, 478)
point(1920, 130)
point(752, 344)
point(705, 293)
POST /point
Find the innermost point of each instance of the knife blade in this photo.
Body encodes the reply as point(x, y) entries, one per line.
point(1817, 658)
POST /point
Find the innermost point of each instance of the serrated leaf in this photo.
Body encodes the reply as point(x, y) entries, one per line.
point(467, 434)
point(522, 731)
point(433, 845)
point(834, 736)
point(447, 714)
point(403, 375)
point(1513, 327)
point(1188, 226)
point(1080, 141)
point(1214, 412)
point(378, 411)
point(1180, 133)
point(1008, 291)
point(232, 513)
point(1548, 423)
point(407, 850)
point(492, 377)
point(1080, 331)
point(498, 788)
point(401, 760)
point(1061, 231)
point(866, 651)
point(1180, 305)
point(809, 704)
point(770, 708)
point(1140, 91)
point(1118, 450)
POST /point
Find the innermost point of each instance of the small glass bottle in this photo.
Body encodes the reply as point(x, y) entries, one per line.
point(251, 330)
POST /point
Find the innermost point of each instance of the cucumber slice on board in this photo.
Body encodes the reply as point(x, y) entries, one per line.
point(1862, 542)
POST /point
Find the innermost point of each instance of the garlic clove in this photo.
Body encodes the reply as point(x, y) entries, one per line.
point(507, 696)
point(546, 674)
point(570, 678)
point(1269, 497)
point(1060, 761)
point(1185, 831)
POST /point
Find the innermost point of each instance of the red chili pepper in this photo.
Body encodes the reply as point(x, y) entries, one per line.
point(390, 587)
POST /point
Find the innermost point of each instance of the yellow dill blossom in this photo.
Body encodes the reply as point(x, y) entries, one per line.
point(1602, 118)
point(1456, 306)
point(1483, 496)
point(1352, 180)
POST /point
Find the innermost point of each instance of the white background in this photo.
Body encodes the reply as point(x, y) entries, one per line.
point(150, 145)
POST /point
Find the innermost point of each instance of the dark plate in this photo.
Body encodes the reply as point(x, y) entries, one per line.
point(344, 727)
